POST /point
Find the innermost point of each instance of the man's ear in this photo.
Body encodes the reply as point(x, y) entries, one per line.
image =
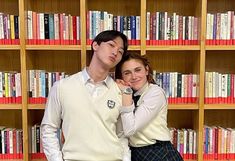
point(95, 46)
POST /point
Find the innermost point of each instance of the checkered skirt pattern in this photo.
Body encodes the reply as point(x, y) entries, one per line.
point(160, 151)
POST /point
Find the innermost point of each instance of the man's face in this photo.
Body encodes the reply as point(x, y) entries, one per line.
point(109, 53)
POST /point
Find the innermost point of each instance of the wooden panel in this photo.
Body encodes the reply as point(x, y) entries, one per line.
point(174, 61)
point(9, 7)
point(35, 117)
point(51, 6)
point(62, 61)
point(214, 6)
point(220, 61)
point(223, 118)
point(120, 7)
point(181, 7)
point(10, 60)
point(183, 119)
point(11, 118)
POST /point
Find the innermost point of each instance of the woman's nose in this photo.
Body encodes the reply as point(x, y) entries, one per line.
point(133, 75)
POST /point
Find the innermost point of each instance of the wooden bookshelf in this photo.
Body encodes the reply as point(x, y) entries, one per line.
point(196, 59)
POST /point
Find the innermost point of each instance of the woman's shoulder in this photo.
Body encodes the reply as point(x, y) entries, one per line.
point(155, 87)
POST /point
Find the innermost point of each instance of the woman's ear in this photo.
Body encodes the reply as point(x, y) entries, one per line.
point(147, 70)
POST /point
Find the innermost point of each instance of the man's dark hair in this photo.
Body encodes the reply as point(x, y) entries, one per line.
point(108, 35)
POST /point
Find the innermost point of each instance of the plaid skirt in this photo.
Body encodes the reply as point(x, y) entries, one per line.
point(160, 151)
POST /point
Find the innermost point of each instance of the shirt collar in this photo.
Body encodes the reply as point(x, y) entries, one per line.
point(141, 90)
point(87, 79)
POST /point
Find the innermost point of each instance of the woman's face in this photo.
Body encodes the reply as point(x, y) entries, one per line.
point(134, 73)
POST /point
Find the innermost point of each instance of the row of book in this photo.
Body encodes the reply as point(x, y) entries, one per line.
point(179, 88)
point(219, 143)
point(10, 87)
point(219, 88)
point(36, 141)
point(98, 21)
point(185, 141)
point(52, 29)
point(173, 29)
point(11, 143)
point(40, 83)
point(220, 28)
point(9, 29)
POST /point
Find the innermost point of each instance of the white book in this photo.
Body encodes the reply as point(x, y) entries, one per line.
point(183, 28)
point(71, 36)
point(206, 85)
point(213, 84)
point(211, 26)
point(207, 26)
point(183, 86)
point(41, 26)
point(189, 27)
point(194, 142)
point(10, 131)
point(78, 27)
point(194, 85)
point(30, 25)
point(165, 26)
point(148, 26)
point(137, 27)
point(106, 17)
point(228, 25)
point(185, 132)
point(56, 26)
point(190, 144)
point(177, 27)
point(66, 27)
point(220, 85)
point(1, 26)
point(3, 142)
point(175, 84)
point(224, 85)
point(174, 26)
point(157, 25)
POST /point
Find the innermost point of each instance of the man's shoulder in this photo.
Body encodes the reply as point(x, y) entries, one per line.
point(70, 80)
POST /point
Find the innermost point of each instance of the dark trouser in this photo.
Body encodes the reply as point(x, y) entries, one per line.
point(160, 151)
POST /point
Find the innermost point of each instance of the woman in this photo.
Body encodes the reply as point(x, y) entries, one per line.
point(146, 122)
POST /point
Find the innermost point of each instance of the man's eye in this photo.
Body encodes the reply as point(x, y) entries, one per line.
point(121, 52)
point(111, 44)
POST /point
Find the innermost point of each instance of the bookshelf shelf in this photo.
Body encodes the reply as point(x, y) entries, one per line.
point(9, 47)
point(173, 48)
point(220, 47)
point(219, 106)
point(130, 47)
point(53, 47)
point(10, 106)
point(183, 107)
point(36, 106)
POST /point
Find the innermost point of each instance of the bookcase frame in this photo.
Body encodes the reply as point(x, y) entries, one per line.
point(24, 115)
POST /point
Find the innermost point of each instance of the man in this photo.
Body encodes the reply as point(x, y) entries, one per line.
point(86, 105)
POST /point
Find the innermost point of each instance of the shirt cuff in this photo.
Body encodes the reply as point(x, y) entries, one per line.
point(127, 109)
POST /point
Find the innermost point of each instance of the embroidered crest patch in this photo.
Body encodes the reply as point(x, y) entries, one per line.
point(111, 104)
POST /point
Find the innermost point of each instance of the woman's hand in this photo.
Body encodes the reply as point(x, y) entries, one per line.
point(126, 98)
point(122, 84)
